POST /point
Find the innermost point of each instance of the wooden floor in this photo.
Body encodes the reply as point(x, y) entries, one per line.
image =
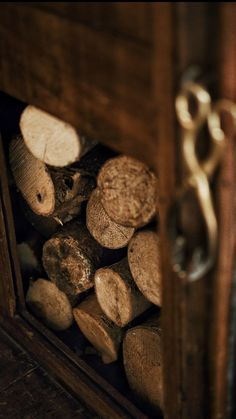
point(27, 392)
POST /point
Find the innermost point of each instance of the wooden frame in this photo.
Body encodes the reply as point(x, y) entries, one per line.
point(51, 57)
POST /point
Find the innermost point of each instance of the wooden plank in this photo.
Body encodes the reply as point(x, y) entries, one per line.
point(223, 281)
point(36, 396)
point(76, 380)
point(130, 20)
point(185, 320)
point(99, 82)
point(14, 361)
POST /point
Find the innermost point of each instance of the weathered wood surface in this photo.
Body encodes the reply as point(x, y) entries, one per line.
point(27, 391)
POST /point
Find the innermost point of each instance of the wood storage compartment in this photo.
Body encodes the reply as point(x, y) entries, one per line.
point(87, 239)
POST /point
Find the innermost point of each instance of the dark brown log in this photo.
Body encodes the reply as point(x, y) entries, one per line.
point(50, 304)
point(51, 140)
point(129, 191)
point(143, 361)
point(144, 263)
point(48, 192)
point(104, 335)
point(70, 259)
point(107, 232)
point(30, 254)
point(117, 294)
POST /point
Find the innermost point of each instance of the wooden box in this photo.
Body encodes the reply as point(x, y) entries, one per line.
point(113, 70)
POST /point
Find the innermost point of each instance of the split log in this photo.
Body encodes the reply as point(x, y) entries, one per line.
point(49, 191)
point(52, 140)
point(117, 294)
point(129, 191)
point(143, 361)
point(71, 258)
point(108, 233)
point(105, 336)
point(144, 263)
point(49, 304)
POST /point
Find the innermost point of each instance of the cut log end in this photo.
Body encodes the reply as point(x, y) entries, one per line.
point(70, 259)
point(101, 332)
point(118, 295)
point(129, 191)
point(51, 140)
point(32, 178)
point(144, 263)
point(108, 233)
point(143, 361)
point(50, 304)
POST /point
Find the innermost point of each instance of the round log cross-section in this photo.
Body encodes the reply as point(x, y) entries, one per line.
point(129, 191)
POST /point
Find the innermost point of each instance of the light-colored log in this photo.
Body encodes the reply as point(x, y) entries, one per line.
point(144, 263)
point(48, 191)
point(70, 259)
point(51, 140)
point(129, 191)
point(107, 232)
point(104, 335)
point(118, 295)
point(49, 304)
point(142, 353)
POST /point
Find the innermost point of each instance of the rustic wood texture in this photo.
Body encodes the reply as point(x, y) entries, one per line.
point(95, 79)
point(107, 232)
point(128, 191)
point(70, 259)
point(49, 304)
point(51, 140)
point(27, 391)
point(117, 294)
point(145, 264)
point(142, 352)
point(104, 335)
point(223, 280)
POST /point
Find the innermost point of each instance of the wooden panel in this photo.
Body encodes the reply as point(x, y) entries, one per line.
point(98, 81)
point(80, 381)
point(14, 362)
point(123, 19)
point(223, 281)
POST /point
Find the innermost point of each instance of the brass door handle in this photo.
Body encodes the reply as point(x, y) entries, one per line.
point(198, 176)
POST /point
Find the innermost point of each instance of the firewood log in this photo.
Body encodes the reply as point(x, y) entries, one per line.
point(144, 263)
point(108, 233)
point(129, 191)
point(118, 295)
point(143, 361)
point(104, 335)
point(49, 191)
point(51, 140)
point(49, 304)
point(70, 259)
point(30, 254)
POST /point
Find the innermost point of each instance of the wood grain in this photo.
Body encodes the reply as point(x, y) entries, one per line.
point(97, 81)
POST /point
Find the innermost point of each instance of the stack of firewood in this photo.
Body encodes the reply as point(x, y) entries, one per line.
point(101, 255)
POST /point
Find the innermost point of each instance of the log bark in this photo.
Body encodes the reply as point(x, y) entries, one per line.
point(143, 361)
point(48, 191)
point(51, 140)
point(144, 263)
point(49, 304)
point(105, 336)
point(129, 191)
point(71, 258)
point(108, 233)
point(117, 294)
